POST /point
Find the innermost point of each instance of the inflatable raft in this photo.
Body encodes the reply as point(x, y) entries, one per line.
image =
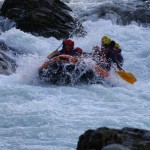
point(66, 70)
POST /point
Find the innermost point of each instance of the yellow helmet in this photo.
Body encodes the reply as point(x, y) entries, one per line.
point(117, 46)
point(106, 40)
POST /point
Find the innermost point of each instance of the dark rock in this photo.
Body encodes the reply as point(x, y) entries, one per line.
point(124, 13)
point(7, 64)
point(109, 139)
point(40, 17)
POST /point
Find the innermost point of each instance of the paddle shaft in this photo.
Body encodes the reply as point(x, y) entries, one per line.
point(79, 22)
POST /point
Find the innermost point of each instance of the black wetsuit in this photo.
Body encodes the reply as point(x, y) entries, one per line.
point(110, 55)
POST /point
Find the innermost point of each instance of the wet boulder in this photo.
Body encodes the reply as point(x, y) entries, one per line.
point(114, 139)
point(40, 17)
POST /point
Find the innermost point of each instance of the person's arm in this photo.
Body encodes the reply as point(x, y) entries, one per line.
point(112, 54)
point(120, 59)
point(114, 59)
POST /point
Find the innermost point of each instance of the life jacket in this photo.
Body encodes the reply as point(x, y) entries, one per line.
point(99, 54)
point(96, 53)
point(74, 52)
point(103, 54)
point(107, 55)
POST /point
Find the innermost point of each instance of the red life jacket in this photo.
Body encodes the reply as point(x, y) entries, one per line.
point(74, 52)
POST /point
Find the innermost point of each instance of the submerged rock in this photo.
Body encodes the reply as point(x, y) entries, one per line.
point(115, 139)
point(6, 24)
point(7, 64)
point(40, 17)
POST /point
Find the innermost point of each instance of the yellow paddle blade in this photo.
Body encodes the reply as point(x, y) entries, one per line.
point(127, 76)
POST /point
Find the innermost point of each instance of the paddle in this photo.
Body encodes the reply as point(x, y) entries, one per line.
point(127, 76)
point(79, 23)
point(52, 54)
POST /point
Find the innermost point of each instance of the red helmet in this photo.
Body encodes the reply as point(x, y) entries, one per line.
point(79, 50)
point(69, 42)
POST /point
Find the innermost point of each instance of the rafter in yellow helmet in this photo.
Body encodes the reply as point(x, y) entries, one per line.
point(106, 40)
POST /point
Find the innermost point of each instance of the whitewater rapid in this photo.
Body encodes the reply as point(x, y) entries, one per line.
point(47, 117)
